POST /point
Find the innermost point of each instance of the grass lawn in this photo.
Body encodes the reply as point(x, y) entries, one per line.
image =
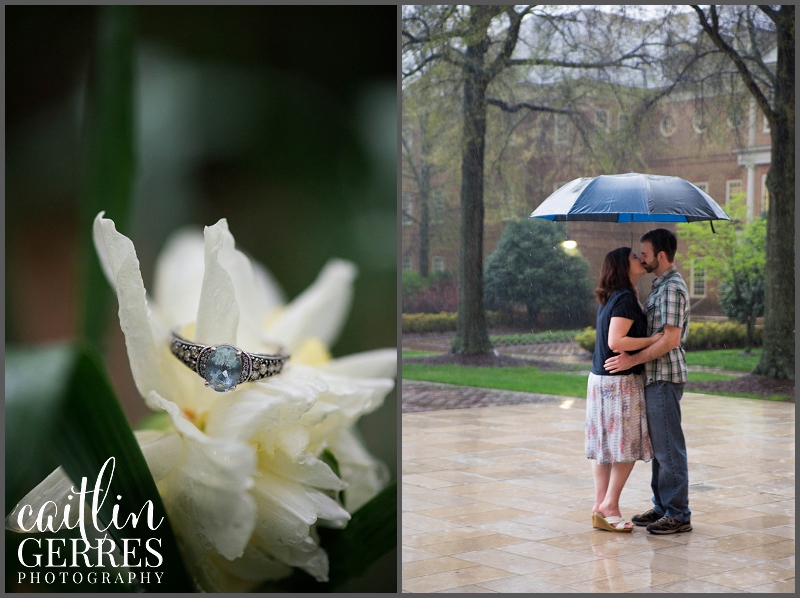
point(411, 353)
point(524, 379)
point(729, 359)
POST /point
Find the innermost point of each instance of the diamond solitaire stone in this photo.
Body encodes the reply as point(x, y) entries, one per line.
point(223, 369)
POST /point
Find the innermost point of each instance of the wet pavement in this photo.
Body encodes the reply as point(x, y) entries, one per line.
point(498, 498)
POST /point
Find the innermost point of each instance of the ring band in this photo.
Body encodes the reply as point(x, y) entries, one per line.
point(223, 367)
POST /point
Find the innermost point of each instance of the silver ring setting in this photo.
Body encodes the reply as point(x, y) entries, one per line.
point(224, 367)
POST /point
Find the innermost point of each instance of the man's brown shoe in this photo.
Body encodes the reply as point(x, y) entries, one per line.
point(646, 518)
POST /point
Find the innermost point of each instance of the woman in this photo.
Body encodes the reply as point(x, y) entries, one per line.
point(616, 421)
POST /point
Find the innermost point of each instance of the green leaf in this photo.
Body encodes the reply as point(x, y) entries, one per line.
point(370, 534)
point(109, 154)
point(61, 410)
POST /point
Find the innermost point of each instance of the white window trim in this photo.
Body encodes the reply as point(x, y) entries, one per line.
point(661, 124)
point(407, 260)
point(698, 119)
point(702, 186)
point(764, 191)
point(437, 259)
point(693, 285)
point(728, 185)
point(765, 124)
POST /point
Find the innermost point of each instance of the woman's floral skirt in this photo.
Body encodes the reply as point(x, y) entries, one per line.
point(616, 419)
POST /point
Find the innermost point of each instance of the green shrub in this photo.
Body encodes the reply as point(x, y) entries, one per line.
point(719, 335)
point(702, 335)
point(445, 321)
point(586, 339)
point(534, 338)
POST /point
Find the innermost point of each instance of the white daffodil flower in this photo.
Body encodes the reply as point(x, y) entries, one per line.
point(240, 472)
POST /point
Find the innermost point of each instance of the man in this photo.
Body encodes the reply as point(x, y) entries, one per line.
point(667, 309)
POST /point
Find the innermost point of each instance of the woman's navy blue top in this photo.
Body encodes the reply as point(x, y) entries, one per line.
point(622, 303)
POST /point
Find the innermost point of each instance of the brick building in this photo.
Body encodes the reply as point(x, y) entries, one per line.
point(720, 145)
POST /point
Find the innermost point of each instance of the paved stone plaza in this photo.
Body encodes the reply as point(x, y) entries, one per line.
point(498, 499)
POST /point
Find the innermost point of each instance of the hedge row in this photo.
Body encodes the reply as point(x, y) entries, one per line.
point(535, 338)
point(702, 335)
point(445, 321)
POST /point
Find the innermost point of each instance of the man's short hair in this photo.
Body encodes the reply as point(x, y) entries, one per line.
point(662, 240)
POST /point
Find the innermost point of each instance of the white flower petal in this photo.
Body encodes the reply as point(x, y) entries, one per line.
point(270, 293)
point(255, 566)
point(163, 451)
point(307, 469)
point(356, 396)
point(364, 474)
point(208, 495)
point(263, 407)
point(179, 277)
point(381, 363)
point(320, 311)
point(53, 494)
point(144, 340)
point(218, 310)
point(313, 561)
point(286, 509)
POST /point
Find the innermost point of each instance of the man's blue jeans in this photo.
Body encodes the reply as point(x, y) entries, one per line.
point(670, 481)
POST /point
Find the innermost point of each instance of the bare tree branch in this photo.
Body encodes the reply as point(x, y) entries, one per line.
point(769, 11)
point(713, 32)
point(527, 105)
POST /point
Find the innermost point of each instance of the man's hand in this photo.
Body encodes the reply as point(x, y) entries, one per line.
point(618, 363)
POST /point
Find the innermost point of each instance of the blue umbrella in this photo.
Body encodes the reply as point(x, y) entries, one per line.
point(630, 197)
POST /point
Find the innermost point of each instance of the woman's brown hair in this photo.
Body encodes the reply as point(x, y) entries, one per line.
point(614, 274)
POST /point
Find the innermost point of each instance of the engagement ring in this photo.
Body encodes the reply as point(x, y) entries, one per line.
point(225, 366)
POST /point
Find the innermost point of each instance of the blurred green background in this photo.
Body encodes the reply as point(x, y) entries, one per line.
point(280, 119)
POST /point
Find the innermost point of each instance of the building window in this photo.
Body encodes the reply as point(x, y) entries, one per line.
point(698, 281)
point(601, 119)
point(438, 264)
point(699, 123)
point(735, 117)
point(732, 187)
point(408, 209)
point(765, 125)
point(764, 194)
point(702, 186)
point(623, 120)
point(667, 125)
point(438, 206)
point(406, 262)
point(562, 129)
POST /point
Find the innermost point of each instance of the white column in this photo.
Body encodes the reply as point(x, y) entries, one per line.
point(751, 133)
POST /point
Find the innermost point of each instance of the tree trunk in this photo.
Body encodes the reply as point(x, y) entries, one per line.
point(751, 334)
point(777, 357)
point(471, 335)
point(424, 203)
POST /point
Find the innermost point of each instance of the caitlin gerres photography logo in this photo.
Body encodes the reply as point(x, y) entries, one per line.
point(125, 561)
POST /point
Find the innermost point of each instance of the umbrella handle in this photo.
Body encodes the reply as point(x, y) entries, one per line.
point(711, 222)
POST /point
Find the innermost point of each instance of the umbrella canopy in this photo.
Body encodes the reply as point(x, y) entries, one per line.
point(630, 197)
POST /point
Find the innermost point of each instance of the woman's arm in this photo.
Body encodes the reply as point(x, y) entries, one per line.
point(618, 341)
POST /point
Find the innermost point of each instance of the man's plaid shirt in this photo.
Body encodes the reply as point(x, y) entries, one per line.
point(668, 303)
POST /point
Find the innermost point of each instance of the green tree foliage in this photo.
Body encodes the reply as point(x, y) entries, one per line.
point(742, 292)
point(714, 250)
point(530, 267)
